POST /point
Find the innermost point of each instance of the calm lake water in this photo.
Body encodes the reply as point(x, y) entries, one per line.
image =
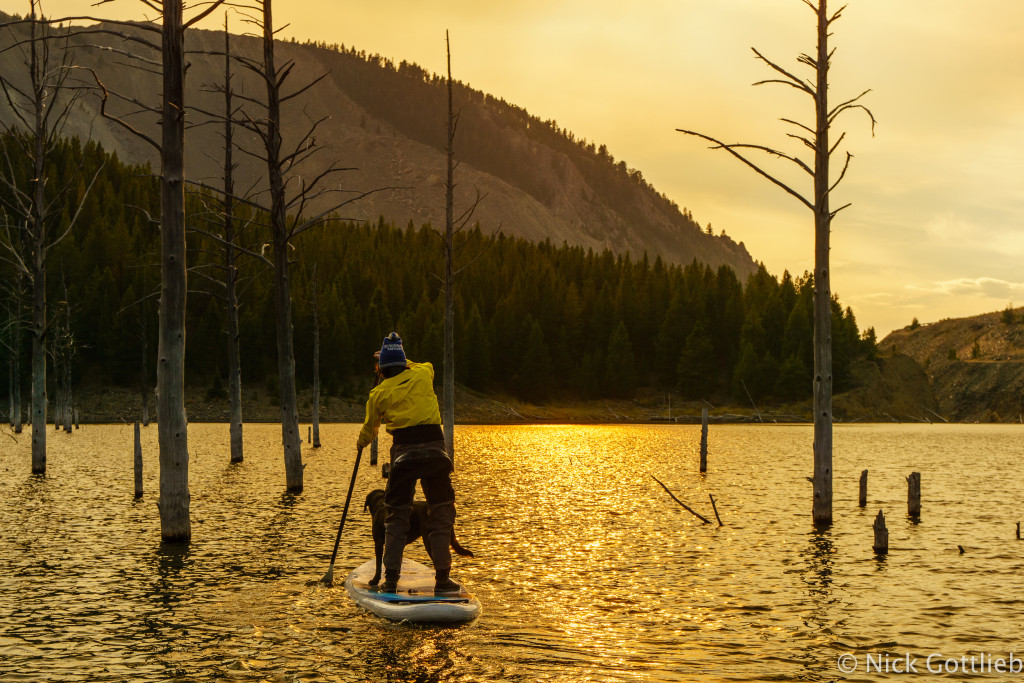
point(587, 570)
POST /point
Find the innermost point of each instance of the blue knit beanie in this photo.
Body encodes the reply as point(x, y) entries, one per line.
point(392, 354)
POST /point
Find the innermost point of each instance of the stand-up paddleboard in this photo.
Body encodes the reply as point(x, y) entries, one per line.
point(414, 600)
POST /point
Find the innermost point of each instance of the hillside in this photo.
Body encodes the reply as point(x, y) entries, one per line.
point(975, 365)
point(387, 123)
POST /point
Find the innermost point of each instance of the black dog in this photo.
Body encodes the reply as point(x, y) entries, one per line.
point(417, 523)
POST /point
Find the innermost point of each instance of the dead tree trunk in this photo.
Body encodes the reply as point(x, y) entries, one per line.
point(174, 501)
point(862, 500)
point(288, 196)
point(172, 423)
point(58, 402)
point(822, 508)
point(234, 363)
point(316, 367)
point(881, 544)
point(453, 225)
point(39, 113)
point(15, 362)
point(12, 350)
point(282, 286)
point(67, 344)
point(914, 494)
point(448, 389)
point(144, 367)
point(39, 328)
point(17, 419)
point(231, 272)
point(704, 440)
point(10, 392)
point(38, 264)
point(68, 401)
point(814, 136)
point(138, 462)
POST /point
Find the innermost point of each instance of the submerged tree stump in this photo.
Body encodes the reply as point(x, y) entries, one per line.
point(914, 494)
point(373, 452)
point(704, 440)
point(881, 545)
point(138, 461)
point(863, 499)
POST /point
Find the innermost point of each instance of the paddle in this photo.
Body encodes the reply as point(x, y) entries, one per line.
point(329, 576)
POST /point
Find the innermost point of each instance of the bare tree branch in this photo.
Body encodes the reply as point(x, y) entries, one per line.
point(104, 96)
point(790, 79)
point(718, 144)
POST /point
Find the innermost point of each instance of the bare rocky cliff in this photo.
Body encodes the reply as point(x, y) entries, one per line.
point(975, 365)
point(386, 123)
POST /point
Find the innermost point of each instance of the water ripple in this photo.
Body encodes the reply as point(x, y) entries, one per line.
point(587, 570)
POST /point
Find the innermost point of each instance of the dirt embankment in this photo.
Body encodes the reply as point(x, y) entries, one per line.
point(890, 389)
point(975, 365)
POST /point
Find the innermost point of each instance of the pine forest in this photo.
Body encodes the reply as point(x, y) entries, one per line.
point(539, 322)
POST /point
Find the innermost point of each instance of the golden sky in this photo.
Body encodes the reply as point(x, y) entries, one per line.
point(936, 226)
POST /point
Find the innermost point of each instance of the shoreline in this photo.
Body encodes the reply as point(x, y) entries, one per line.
point(121, 405)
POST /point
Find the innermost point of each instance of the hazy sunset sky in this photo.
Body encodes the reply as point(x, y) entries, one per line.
point(936, 226)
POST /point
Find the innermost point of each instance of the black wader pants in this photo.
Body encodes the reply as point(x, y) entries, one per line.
point(429, 464)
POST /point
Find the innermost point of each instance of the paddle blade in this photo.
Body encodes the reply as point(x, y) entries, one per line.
point(328, 579)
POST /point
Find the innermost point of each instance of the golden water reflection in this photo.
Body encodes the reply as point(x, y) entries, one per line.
point(587, 570)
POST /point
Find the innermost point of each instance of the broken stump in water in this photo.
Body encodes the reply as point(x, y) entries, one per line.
point(881, 545)
point(914, 494)
point(138, 462)
point(704, 440)
point(863, 500)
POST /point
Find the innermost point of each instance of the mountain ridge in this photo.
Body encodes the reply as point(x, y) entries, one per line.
point(388, 121)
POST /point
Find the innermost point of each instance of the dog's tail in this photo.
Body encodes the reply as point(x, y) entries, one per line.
point(459, 549)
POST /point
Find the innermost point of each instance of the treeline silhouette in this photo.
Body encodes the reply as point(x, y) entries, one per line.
point(536, 321)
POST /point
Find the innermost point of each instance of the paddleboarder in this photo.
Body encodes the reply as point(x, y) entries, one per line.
point(404, 401)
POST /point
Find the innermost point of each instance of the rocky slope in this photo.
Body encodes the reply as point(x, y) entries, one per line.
point(386, 123)
point(975, 365)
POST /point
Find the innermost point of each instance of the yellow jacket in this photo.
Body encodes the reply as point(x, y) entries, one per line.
point(405, 400)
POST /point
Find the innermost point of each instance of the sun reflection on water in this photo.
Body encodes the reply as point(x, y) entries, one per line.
point(586, 568)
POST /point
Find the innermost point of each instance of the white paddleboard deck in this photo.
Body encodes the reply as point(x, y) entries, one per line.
point(414, 600)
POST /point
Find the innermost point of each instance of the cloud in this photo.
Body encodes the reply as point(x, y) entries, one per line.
point(988, 287)
point(990, 231)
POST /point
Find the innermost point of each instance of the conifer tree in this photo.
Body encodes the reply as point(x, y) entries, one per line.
point(620, 373)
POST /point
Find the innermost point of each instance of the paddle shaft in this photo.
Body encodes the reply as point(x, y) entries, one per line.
point(348, 499)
